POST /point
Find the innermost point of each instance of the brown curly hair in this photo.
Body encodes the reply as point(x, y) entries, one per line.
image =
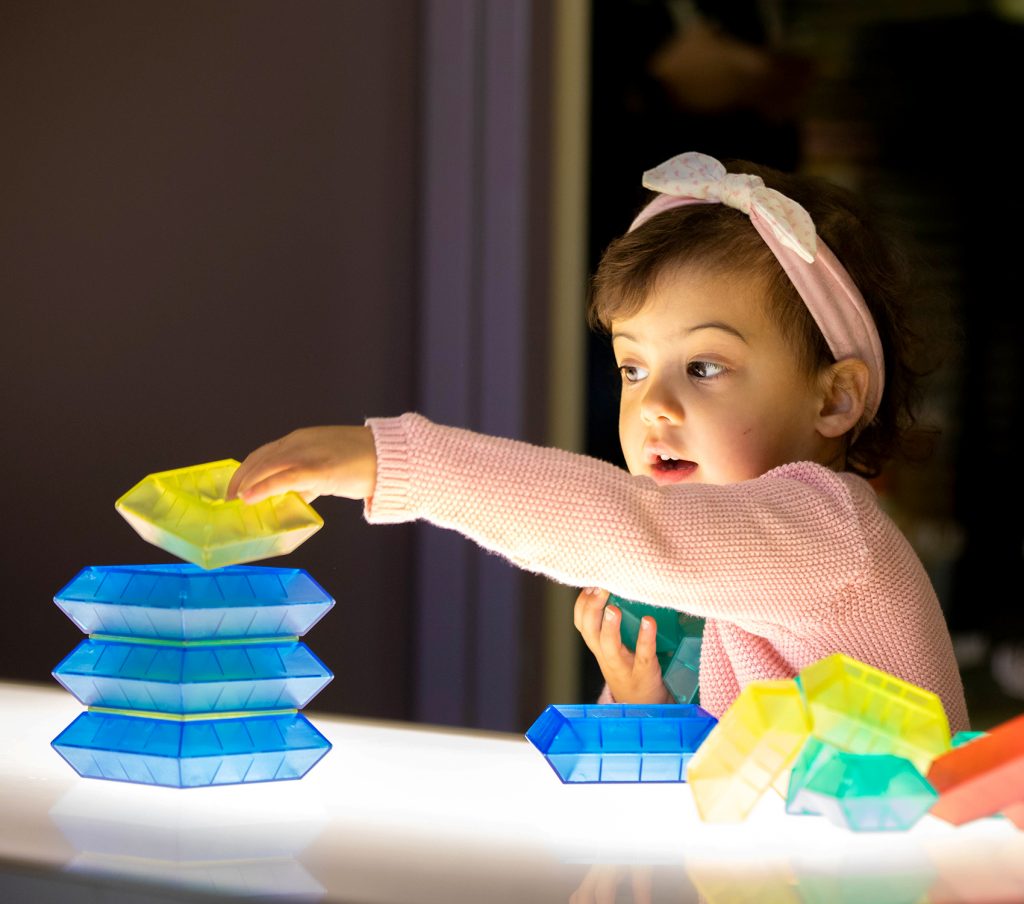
point(719, 239)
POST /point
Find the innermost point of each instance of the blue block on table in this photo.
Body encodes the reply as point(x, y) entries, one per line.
point(620, 742)
point(187, 754)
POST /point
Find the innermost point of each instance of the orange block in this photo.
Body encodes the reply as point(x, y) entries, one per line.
point(981, 778)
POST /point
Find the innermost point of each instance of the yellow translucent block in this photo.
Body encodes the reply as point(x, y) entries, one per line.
point(184, 511)
point(753, 744)
point(861, 709)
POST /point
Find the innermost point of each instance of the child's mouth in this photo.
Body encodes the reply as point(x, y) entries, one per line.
point(672, 470)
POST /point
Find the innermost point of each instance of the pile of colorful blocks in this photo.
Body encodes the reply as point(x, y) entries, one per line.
point(843, 740)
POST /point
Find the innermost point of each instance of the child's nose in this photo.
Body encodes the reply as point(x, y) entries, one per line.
point(660, 403)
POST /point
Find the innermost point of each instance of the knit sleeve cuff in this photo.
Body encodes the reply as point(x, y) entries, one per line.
point(391, 502)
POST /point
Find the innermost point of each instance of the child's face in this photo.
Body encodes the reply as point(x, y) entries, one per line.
point(709, 381)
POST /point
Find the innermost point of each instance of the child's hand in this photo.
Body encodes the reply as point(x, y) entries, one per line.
point(632, 677)
point(313, 461)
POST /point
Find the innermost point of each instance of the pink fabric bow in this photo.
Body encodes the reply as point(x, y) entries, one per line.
point(703, 178)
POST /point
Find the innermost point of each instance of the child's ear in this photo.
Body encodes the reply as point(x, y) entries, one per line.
point(844, 388)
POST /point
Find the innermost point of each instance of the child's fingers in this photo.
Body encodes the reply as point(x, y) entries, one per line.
point(587, 615)
point(256, 466)
point(298, 480)
point(646, 644)
point(611, 637)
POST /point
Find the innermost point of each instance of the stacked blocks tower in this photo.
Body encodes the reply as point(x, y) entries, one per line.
point(620, 742)
point(677, 644)
point(194, 674)
point(192, 677)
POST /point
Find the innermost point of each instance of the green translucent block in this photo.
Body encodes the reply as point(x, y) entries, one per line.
point(185, 512)
point(861, 792)
point(861, 709)
point(677, 644)
point(964, 737)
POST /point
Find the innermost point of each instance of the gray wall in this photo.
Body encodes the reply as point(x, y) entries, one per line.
point(207, 238)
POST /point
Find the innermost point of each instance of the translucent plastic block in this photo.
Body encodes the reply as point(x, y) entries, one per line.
point(983, 777)
point(677, 643)
point(862, 792)
point(191, 754)
point(861, 709)
point(185, 602)
point(204, 679)
point(185, 512)
point(620, 743)
point(965, 737)
point(753, 744)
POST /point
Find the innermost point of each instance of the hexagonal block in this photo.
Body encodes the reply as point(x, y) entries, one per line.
point(620, 742)
point(753, 744)
point(190, 754)
point(862, 792)
point(861, 709)
point(213, 678)
point(185, 602)
point(185, 512)
point(677, 643)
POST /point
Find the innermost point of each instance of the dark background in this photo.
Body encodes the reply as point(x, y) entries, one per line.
point(205, 241)
point(211, 233)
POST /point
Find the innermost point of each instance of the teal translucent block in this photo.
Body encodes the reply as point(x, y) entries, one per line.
point(964, 737)
point(189, 754)
point(677, 643)
point(186, 602)
point(202, 679)
point(862, 792)
point(620, 742)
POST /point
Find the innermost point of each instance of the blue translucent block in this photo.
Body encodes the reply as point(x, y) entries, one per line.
point(677, 643)
point(186, 602)
point(191, 754)
point(858, 791)
point(202, 679)
point(620, 742)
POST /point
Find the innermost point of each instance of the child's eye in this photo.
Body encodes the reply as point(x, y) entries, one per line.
point(705, 370)
point(631, 373)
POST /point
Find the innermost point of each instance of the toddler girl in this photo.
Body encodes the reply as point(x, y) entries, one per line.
point(762, 382)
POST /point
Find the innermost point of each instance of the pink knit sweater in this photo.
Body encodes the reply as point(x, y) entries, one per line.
point(788, 568)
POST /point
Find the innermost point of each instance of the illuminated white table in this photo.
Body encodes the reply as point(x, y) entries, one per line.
point(402, 813)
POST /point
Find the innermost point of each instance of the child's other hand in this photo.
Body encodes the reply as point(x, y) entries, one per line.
point(632, 677)
point(313, 461)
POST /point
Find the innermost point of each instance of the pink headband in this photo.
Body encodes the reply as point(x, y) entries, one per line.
point(822, 282)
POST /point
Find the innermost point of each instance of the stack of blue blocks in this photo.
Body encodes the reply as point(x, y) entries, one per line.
point(192, 677)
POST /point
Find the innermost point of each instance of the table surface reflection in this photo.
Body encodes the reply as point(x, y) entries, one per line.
point(400, 813)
